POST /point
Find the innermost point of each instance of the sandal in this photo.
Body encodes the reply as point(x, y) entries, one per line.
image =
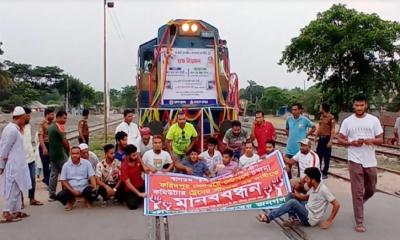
point(263, 218)
point(21, 215)
point(35, 202)
point(360, 228)
point(103, 204)
point(68, 208)
point(10, 219)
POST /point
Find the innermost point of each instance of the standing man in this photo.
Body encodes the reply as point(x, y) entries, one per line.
point(146, 140)
point(181, 138)
point(58, 151)
point(396, 130)
point(297, 128)
point(83, 127)
point(16, 177)
point(234, 139)
point(130, 128)
point(325, 134)
point(263, 131)
point(360, 132)
point(44, 142)
point(30, 157)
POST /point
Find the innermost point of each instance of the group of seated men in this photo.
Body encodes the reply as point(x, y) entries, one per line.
point(120, 176)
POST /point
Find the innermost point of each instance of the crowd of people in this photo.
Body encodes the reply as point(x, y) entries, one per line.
point(136, 151)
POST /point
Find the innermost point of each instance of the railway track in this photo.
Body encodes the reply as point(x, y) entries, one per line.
point(71, 135)
point(384, 149)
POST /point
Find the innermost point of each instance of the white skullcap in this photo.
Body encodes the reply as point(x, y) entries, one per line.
point(83, 146)
point(18, 111)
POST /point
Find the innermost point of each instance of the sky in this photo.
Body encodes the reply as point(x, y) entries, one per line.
point(69, 34)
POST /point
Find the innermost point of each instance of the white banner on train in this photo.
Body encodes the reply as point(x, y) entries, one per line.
point(190, 77)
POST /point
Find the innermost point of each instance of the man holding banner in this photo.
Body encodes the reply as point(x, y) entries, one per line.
point(311, 214)
point(261, 185)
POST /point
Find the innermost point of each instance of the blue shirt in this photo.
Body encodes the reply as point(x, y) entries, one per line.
point(77, 175)
point(199, 168)
point(119, 155)
point(297, 131)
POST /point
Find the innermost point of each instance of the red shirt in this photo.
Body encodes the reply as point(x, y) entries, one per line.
point(262, 133)
point(133, 173)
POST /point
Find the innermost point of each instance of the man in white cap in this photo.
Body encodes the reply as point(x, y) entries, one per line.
point(16, 177)
point(305, 157)
point(88, 155)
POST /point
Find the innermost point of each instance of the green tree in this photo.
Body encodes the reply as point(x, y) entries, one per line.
point(20, 93)
point(78, 92)
point(346, 52)
point(128, 97)
point(273, 98)
point(39, 77)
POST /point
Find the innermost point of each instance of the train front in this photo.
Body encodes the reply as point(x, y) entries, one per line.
point(186, 68)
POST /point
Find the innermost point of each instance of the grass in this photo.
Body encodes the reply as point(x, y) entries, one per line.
point(97, 143)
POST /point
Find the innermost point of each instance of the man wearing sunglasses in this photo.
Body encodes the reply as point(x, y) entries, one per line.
point(181, 137)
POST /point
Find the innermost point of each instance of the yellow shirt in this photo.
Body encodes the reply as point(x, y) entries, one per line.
point(181, 138)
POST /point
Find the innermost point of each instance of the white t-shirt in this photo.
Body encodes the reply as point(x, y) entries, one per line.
point(144, 148)
point(157, 161)
point(310, 159)
point(361, 128)
point(211, 161)
point(318, 202)
point(132, 130)
point(245, 161)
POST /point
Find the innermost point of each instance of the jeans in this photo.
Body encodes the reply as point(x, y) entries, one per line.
point(55, 170)
point(324, 153)
point(236, 155)
point(118, 194)
point(81, 140)
point(132, 199)
point(32, 172)
point(46, 164)
point(292, 206)
point(66, 196)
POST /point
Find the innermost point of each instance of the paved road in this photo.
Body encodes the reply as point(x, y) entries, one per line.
point(116, 222)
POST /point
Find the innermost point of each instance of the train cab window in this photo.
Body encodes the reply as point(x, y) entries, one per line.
point(148, 57)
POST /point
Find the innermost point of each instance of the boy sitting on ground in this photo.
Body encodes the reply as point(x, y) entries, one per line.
point(249, 157)
point(228, 166)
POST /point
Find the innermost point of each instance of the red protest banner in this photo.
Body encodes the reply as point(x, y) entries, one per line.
point(258, 186)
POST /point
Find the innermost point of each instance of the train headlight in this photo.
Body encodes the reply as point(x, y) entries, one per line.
point(194, 27)
point(185, 27)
